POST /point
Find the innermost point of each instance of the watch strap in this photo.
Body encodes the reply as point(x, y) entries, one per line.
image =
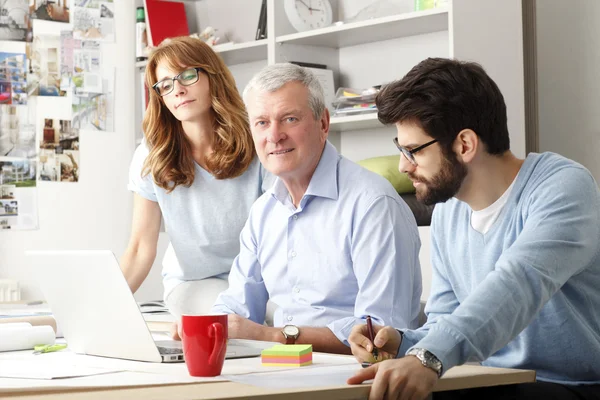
point(428, 359)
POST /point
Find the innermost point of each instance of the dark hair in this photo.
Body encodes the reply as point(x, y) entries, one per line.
point(444, 97)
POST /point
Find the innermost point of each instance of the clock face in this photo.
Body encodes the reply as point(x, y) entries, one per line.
point(305, 15)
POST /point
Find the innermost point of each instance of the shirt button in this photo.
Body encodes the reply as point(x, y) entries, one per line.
point(296, 290)
point(290, 318)
point(293, 253)
point(295, 216)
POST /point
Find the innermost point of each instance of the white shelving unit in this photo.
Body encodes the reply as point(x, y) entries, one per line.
point(354, 122)
point(238, 53)
point(373, 30)
point(375, 51)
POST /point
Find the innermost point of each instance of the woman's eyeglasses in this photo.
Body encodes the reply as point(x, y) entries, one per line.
point(185, 78)
point(409, 153)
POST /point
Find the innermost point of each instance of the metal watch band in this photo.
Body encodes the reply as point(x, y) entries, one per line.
point(428, 359)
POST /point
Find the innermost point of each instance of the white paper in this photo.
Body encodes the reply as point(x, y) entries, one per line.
point(298, 377)
point(44, 369)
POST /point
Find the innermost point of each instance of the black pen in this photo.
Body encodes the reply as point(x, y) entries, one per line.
point(375, 352)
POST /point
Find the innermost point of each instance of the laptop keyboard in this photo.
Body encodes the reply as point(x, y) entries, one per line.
point(168, 350)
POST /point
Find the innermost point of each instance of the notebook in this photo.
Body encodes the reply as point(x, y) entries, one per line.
point(91, 301)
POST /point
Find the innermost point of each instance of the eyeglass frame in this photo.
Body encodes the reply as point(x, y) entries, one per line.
point(408, 154)
point(177, 78)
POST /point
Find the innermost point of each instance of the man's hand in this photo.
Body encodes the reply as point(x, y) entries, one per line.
point(404, 378)
point(387, 340)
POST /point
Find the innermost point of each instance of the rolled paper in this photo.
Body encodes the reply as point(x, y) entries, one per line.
point(24, 338)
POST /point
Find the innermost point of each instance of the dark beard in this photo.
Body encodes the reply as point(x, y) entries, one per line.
point(443, 186)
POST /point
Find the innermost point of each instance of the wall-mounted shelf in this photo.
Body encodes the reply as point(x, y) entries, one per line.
point(237, 53)
point(385, 28)
point(240, 53)
point(355, 122)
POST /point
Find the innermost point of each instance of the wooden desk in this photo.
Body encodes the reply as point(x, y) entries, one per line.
point(463, 377)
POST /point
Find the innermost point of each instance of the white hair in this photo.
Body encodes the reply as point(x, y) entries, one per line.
point(273, 77)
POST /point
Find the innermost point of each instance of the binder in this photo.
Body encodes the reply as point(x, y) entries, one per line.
point(165, 19)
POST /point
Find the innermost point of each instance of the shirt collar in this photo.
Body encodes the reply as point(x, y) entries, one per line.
point(324, 181)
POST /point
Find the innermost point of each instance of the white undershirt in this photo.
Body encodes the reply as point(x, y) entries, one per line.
point(483, 220)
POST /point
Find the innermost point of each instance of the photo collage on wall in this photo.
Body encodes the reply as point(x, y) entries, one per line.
point(49, 48)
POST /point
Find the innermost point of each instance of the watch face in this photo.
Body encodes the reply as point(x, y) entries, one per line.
point(291, 330)
point(308, 14)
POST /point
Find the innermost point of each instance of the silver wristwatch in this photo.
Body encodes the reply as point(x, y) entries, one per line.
point(427, 359)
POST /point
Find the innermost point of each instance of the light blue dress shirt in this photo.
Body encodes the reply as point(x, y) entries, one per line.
point(527, 293)
point(349, 250)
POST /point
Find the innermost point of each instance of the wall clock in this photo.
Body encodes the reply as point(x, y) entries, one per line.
point(305, 15)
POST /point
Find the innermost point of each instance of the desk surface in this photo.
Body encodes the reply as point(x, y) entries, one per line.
point(466, 376)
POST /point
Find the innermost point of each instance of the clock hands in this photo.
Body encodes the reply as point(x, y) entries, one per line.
point(308, 6)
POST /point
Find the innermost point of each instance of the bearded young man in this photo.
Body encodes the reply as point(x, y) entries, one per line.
point(515, 248)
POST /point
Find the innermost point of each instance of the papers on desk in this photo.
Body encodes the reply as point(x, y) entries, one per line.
point(152, 307)
point(299, 377)
point(35, 313)
point(44, 369)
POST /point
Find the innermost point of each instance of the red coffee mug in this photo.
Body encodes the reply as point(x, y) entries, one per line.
point(204, 340)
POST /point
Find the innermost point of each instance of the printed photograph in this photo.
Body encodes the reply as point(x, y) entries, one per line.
point(13, 78)
point(55, 10)
point(17, 131)
point(7, 192)
point(15, 24)
point(93, 112)
point(59, 151)
point(9, 208)
point(94, 21)
point(19, 173)
point(43, 74)
point(62, 166)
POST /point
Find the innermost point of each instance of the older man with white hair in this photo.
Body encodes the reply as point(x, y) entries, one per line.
point(330, 243)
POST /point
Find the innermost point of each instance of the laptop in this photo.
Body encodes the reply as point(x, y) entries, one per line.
point(97, 312)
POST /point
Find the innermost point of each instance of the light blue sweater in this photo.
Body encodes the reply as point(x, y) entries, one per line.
point(527, 293)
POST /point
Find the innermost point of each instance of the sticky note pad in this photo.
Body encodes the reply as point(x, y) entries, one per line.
point(287, 355)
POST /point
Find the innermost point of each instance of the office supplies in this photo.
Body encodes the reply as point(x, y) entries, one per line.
point(98, 313)
point(375, 351)
point(288, 355)
point(48, 348)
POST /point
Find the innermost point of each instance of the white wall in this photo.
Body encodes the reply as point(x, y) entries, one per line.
point(491, 33)
point(568, 59)
point(95, 212)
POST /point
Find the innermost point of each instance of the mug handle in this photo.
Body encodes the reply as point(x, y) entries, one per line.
point(216, 330)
